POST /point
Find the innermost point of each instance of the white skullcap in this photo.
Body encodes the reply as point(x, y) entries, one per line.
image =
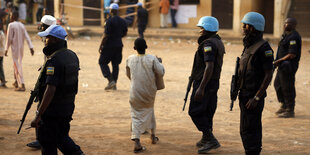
point(48, 20)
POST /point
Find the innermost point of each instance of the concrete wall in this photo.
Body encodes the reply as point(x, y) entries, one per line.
point(281, 9)
point(56, 8)
point(75, 15)
point(34, 13)
point(241, 7)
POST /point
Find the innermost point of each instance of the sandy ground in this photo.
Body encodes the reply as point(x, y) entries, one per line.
point(101, 122)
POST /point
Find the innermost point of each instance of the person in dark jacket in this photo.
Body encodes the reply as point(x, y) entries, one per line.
point(255, 73)
point(46, 21)
point(287, 61)
point(58, 88)
point(206, 73)
point(142, 19)
point(111, 46)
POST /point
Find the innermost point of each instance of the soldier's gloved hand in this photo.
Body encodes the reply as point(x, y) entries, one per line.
point(199, 95)
point(252, 103)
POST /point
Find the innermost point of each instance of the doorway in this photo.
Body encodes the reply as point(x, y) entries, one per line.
point(223, 11)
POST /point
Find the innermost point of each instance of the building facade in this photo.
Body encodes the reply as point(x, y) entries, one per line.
point(228, 12)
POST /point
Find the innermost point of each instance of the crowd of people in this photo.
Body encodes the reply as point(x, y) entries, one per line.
point(59, 78)
point(13, 34)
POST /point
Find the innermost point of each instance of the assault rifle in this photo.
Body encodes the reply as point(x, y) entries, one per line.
point(234, 85)
point(189, 85)
point(33, 95)
point(33, 98)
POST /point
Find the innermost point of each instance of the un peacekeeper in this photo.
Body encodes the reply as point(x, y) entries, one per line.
point(206, 74)
point(59, 85)
point(287, 60)
point(255, 74)
point(46, 21)
point(142, 19)
point(111, 46)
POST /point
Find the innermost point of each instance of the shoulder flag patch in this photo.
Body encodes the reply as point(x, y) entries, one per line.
point(268, 53)
point(49, 70)
point(292, 42)
point(208, 49)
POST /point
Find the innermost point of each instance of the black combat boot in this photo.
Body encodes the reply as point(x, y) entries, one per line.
point(282, 109)
point(212, 143)
point(202, 141)
point(289, 112)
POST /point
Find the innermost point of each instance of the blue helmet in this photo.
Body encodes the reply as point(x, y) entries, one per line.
point(139, 4)
point(55, 31)
point(114, 6)
point(209, 23)
point(255, 19)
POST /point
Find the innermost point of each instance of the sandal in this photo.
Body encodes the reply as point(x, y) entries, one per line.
point(141, 149)
point(154, 139)
point(20, 89)
point(15, 85)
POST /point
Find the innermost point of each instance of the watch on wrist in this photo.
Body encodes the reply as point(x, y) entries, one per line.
point(256, 98)
point(37, 113)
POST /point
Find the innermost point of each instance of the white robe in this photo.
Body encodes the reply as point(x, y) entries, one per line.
point(15, 38)
point(143, 70)
point(2, 43)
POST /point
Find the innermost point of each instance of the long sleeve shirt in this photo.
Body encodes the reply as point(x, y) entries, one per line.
point(16, 35)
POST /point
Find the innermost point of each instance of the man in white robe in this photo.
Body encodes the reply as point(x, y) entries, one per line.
point(16, 35)
point(146, 75)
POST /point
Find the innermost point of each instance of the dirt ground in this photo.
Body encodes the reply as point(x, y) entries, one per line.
point(101, 122)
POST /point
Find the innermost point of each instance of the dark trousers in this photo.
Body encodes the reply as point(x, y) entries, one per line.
point(284, 85)
point(53, 133)
point(141, 29)
point(173, 12)
point(202, 112)
point(251, 125)
point(106, 15)
point(39, 14)
point(108, 55)
point(2, 77)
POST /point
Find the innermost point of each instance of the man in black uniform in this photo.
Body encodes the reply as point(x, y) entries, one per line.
point(255, 74)
point(46, 21)
point(57, 90)
point(206, 74)
point(287, 61)
point(111, 46)
point(142, 19)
